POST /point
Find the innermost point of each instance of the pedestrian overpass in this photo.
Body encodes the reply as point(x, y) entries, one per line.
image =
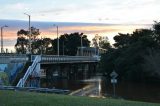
point(38, 60)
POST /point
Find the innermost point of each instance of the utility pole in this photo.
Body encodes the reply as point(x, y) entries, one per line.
point(29, 25)
point(2, 51)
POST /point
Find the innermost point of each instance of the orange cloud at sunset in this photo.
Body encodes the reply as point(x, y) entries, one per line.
point(48, 30)
point(103, 30)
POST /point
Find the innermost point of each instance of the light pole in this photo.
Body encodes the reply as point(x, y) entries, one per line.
point(2, 37)
point(29, 25)
point(57, 40)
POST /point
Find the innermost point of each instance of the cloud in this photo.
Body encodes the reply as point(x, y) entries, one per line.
point(17, 6)
point(126, 11)
point(48, 30)
point(53, 10)
point(116, 11)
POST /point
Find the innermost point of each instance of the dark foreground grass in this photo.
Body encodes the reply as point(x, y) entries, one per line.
point(16, 98)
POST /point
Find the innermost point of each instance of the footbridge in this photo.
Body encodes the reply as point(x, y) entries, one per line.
point(46, 59)
point(50, 65)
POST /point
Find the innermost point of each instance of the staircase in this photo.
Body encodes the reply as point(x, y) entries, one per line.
point(20, 74)
point(29, 71)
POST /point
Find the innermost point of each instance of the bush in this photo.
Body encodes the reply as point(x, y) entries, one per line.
point(4, 79)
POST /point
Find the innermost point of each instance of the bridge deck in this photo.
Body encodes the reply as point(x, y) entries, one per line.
point(67, 59)
point(47, 59)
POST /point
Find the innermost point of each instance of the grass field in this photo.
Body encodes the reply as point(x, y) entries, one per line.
point(16, 98)
point(4, 78)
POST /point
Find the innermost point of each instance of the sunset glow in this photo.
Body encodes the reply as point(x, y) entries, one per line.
point(109, 30)
point(105, 17)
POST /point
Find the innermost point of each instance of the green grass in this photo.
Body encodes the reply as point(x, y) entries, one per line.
point(4, 78)
point(16, 98)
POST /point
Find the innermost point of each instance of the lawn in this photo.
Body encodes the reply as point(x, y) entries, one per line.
point(17, 98)
point(4, 78)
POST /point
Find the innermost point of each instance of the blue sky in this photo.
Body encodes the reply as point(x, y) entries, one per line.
point(94, 11)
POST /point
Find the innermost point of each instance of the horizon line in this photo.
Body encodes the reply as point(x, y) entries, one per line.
point(89, 23)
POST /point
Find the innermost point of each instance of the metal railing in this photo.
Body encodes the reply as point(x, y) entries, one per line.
point(13, 58)
point(67, 59)
point(22, 58)
point(29, 71)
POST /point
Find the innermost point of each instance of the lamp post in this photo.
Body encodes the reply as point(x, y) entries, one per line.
point(29, 25)
point(2, 37)
point(57, 40)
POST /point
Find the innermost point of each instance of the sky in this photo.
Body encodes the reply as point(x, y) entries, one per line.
point(78, 15)
point(95, 11)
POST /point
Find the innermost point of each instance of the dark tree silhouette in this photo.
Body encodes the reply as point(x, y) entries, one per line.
point(135, 56)
point(22, 44)
point(70, 42)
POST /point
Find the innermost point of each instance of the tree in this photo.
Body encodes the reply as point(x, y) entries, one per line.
point(156, 32)
point(69, 43)
point(22, 41)
point(47, 46)
point(22, 45)
point(96, 40)
point(131, 56)
point(151, 64)
point(101, 42)
point(122, 40)
point(104, 43)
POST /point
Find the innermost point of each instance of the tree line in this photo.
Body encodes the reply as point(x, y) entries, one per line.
point(135, 57)
point(68, 43)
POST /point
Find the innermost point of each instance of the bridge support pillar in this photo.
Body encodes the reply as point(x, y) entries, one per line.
point(49, 78)
point(86, 70)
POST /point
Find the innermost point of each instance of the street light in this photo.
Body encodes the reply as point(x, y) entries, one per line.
point(29, 25)
point(57, 40)
point(2, 37)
